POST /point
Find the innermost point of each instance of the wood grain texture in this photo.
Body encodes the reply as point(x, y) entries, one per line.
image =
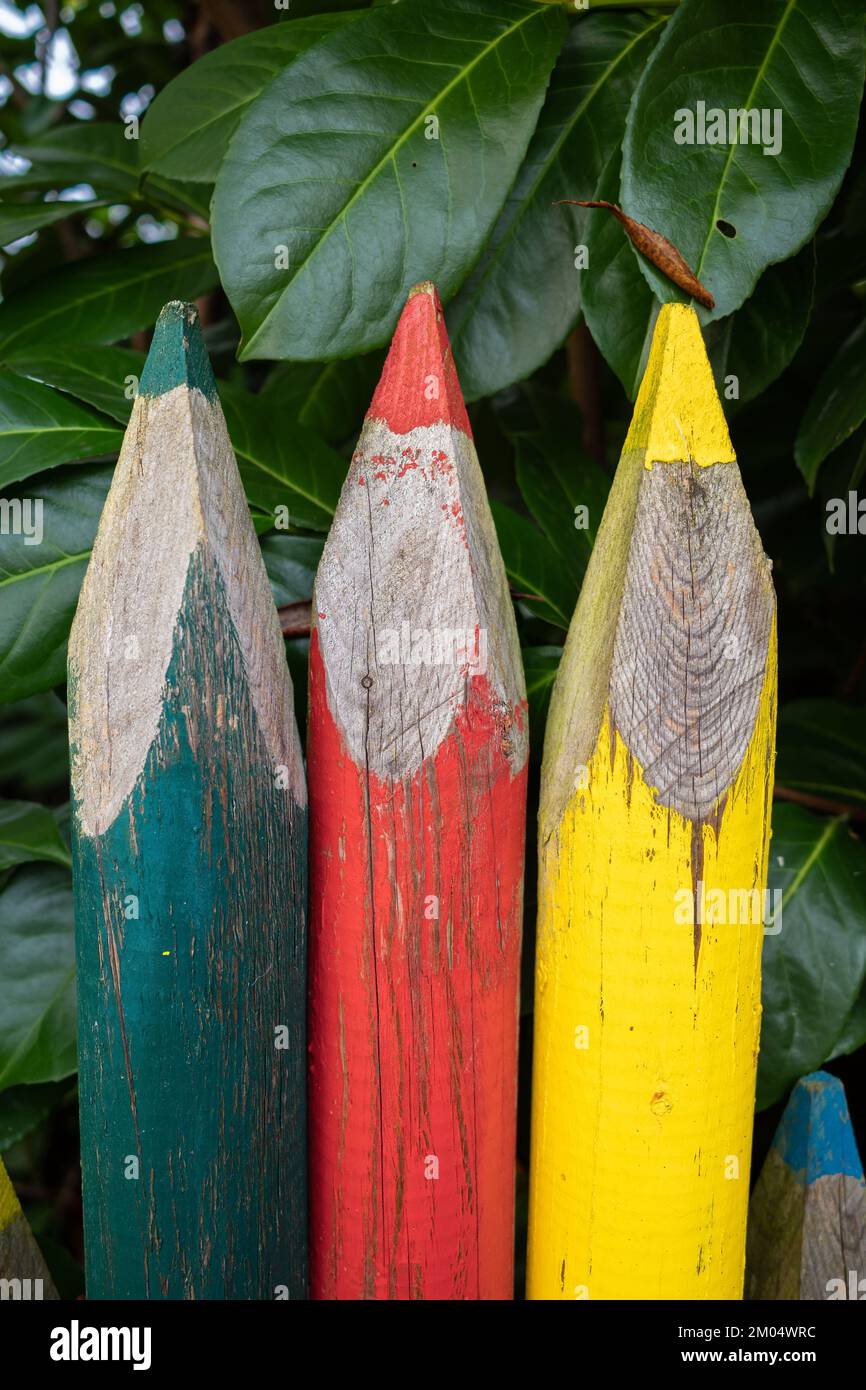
point(417, 762)
point(23, 1271)
point(655, 799)
point(189, 866)
point(807, 1217)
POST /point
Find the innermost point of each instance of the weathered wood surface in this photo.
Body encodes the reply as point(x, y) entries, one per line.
point(23, 1271)
point(655, 800)
point(190, 869)
point(807, 1218)
point(417, 765)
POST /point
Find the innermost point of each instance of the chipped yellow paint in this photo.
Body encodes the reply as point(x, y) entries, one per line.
point(10, 1207)
point(678, 415)
point(645, 1056)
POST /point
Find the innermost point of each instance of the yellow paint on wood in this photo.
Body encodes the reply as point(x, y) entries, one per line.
point(645, 1057)
point(678, 415)
point(10, 1207)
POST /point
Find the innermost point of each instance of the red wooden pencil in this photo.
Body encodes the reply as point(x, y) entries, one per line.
point(417, 769)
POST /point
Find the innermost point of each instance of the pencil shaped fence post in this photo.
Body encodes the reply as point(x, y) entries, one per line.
point(23, 1271)
point(189, 845)
point(653, 833)
point(417, 766)
point(807, 1218)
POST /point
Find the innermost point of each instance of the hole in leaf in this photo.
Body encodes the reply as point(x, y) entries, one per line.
point(726, 228)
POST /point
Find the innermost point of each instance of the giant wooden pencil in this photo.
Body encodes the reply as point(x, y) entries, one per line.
point(23, 1272)
point(417, 764)
point(653, 833)
point(189, 860)
point(807, 1217)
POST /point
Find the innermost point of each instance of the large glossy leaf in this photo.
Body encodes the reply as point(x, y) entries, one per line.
point(556, 478)
point(40, 428)
point(540, 665)
point(836, 409)
point(331, 398)
point(37, 977)
point(756, 343)
point(101, 376)
point(99, 154)
point(804, 58)
point(814, 968)
point(28, 832)
point(291, 563)
point(22, 1108)
point(524, 296)
point(822, 750)
point(20, 219)
point(39, 584)
point(105, 298)
point(334, 164)
point(281, 462)
point(188, 127)
point(535, 573)
point(34, 739)
point(87, 152)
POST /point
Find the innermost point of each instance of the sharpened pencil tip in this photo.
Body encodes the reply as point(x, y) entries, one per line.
point(177, 355)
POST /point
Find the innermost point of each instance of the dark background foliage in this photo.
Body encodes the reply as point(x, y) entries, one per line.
point(168, 150)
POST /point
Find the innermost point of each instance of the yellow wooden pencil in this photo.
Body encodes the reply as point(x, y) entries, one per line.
point(653, 837)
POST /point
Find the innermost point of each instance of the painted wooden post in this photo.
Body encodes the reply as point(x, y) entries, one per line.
point(23, 1271)
point(417, 765)
point(653, 833)
point(189, 861)
point(807, 1219)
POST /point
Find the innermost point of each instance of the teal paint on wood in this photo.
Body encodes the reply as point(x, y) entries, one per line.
point(189, 852)
point(177, 354)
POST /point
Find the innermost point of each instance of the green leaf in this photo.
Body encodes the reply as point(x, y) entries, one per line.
point(87, 152)
point(105, 298)
point(524, 296)
point(22, 1108)
point(334, 163)
point(101, 376)
point(556, 477)
point(814, 968)
point(20, 219)
point(853, 1033)
point(836, 409)
point(822, 750)
point(34, 738)
point(39, 584)
point(282, 464)
point(540, 665)
point(188, 127)
point(37, 977)
point(536, 575)
point(40, 428)
point(29, 832)
point(757, 343)
point(96, 153)
point(804, 58)
point(331, 398)
point(291, 563)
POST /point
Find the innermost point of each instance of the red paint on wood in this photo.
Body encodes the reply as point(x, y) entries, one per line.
point(413, 1017)
point(419, 383)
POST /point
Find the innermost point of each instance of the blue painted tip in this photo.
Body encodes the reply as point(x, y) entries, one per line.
point(815, 1137)
point(177, 355)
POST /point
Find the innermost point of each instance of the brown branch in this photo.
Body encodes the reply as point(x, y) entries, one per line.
point(296, 619)
point(584, 388)
point(820, 803)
